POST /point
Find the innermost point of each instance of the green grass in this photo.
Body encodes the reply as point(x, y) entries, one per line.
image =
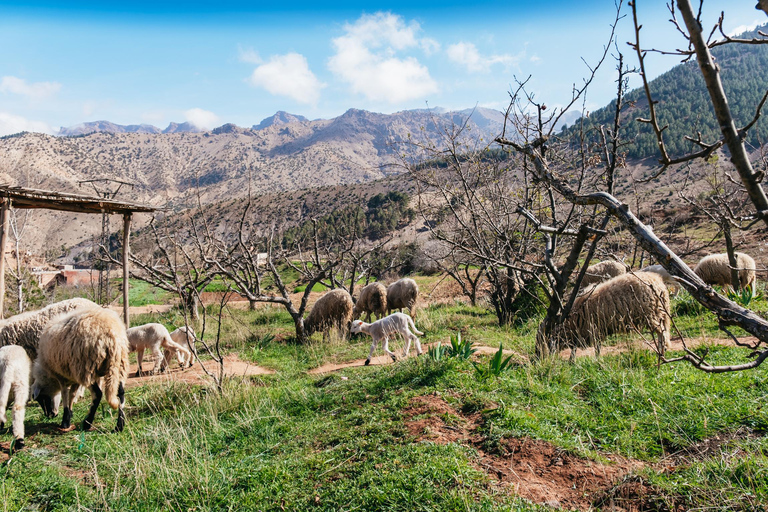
point(292, 441)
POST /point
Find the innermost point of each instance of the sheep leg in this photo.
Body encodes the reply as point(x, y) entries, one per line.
point(120, 413)
point(96, 394)
point(20, 398)
point(158, 355)
point(67, 398)
point(418, 345)
point(386, 349)
point(407, 344)
point(139, 358)
point(5, 391)
point(370, 354)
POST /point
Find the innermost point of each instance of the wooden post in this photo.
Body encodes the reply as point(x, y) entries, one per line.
point(4, 215)
point(126, 248)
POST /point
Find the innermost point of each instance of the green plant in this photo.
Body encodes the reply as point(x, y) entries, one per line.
point(745, 296)
point(460, 348)
point(439, 352)
point(495, 367)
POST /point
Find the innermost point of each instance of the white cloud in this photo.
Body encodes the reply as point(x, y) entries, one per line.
point(33, 91)
point(248, 55)
point(10, 124)
point(367, 59)
point(468, 56)
point(288, 75)
point(201, 118)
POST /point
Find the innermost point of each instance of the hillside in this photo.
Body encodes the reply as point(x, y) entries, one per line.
point(683, 102)
point(171, 169)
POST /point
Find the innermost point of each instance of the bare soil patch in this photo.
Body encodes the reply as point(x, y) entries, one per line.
point(233, 367)
point(532, 469)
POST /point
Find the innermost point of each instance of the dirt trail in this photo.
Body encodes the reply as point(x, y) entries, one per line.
point(233, 367)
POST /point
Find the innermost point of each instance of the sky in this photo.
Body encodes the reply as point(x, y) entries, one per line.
point(211, 63)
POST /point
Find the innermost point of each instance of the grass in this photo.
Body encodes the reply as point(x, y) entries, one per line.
point(293, 441)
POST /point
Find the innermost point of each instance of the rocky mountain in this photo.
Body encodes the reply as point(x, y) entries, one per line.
point(109, 127)
point(279, 118)
point(173, 169)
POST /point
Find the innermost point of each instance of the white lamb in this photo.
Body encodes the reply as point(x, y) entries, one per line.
point(185, 337)
point(666, 276)
point(381, 330)
point(153, 336)
point(15, 376)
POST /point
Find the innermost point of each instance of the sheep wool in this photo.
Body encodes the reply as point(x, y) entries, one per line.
point(155, 336)
point(623, 304)
point(24, 329)
point(402, 294)
point(715, 269)
point(78, 349)
point(15, 375)
point(372, 300)
point(603, 271)
point(334, 309)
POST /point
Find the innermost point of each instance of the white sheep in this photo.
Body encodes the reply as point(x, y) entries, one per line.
point(665, 275)
point(185, 337)
point(603, 271)
point(623, 304)
point(79, 349)
point(402, 294)
point(381, 330)
point(333, 309)
point(15, 377)
point(24, 329)
point(372, 300)
point(154, 336)
point(716, 269)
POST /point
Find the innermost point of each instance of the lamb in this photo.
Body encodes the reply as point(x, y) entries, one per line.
point(381, 330)
point(334, 309)
point(372, 300)
point(79, 349)
point(603, 271)
point(620, 305)
point(15, 376)
point(185, 337)
point(715, 269)
point(24, 329)
point(668, 279)
point(153, 336)
point(402, 294)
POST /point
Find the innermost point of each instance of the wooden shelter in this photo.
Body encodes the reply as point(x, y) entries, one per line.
point(24, 198)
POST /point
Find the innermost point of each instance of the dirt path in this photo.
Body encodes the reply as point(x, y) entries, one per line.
point(233, 367)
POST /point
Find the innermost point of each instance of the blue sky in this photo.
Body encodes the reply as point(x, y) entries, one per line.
point(217, 62)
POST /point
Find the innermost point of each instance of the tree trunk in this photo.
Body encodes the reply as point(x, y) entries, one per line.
point(252, 305)
point(731, 256)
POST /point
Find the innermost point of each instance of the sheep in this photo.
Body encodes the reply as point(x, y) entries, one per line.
point(153, 336)
point(79, 349)
point(668, 279)
point(372, 300)
point(381, 330)
point(334, 309)
point(185, 337)
point(620, 305)
point(603, 271)
point(15, 376)
point(715, 269)
point(24, 329)
point(402, 294)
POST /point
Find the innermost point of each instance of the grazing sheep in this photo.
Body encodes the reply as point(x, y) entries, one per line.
point(334, 309)
point(620, 305)
point(185, 337)
point(24, 329)
point(666, 276)
point(153, 336)
point(402, 294)
point(381, 330)
point(372, 300)
point(603, 271)
point(78, 349)
point(715, 269)
point(15, 376)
